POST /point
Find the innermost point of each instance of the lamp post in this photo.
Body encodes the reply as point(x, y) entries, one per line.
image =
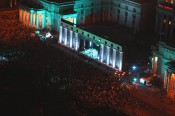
point(119, 74)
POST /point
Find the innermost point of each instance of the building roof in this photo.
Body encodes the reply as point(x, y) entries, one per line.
point(60, 1)
point(171, 65)
point(32, 4)
point(169, 43)
point(141, 1)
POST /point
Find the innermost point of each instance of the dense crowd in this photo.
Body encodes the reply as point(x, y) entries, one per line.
point(54, 69)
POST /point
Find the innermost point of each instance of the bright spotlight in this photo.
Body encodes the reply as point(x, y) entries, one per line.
point(135, 79)
point(133, 67)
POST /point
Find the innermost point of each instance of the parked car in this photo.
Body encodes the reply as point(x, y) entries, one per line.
point(145, 81)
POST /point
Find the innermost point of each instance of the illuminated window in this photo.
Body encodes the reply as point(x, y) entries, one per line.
point(172, 1)
point(164, 20)
point(169, 22)
point(156, 58)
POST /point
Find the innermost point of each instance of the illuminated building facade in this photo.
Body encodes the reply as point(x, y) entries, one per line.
point(163, 65)
point(96, 47)
point(165, 19)
point(134, 14)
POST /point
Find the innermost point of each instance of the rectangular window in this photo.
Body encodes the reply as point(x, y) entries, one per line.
point(134, 10)
point(118, 4)
point(126, 7)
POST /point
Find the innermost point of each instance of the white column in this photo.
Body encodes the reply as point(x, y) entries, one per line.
point(90, 44)
point(120, 60)
point(114, 58)
point(165, 79)
point(152, 59)
point(76, 41)
point(168, 83)
point(22, 15)
point(84, 43)
point(60, 35)
point(37, 21)
point(101, 52)
point(27, 19)
point(107, 54)
point(75, 21)
point(65, 36)
point(70, 38)
point(43, 20)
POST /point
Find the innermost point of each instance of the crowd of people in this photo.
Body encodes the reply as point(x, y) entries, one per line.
point(54, 69)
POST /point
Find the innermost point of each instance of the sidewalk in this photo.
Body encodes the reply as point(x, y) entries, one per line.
point(161, 99)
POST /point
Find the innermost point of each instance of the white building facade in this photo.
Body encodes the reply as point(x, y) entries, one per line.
point(133, 14)
point(163, 65)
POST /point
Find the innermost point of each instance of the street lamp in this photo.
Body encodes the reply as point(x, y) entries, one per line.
point(119, 74)
point(133, 67)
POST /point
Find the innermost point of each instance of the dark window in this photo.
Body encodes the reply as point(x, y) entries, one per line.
point(111, 9)
point(105, 42)
point(126, 13)
point(134, 10)
point(118, 11)
point(133, 16)
point(92, 10)
point(92, 4)
point(118, 4)
point(126, 7)
point(102, 2)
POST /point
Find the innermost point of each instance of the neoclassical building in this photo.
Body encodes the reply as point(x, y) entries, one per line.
point(134, 14)
point(165, 19)
point(163, 65)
